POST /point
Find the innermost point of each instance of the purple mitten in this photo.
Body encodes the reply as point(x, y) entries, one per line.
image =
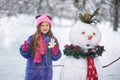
point(25, 46)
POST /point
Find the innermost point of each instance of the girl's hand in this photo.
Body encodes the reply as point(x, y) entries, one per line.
point(53, 46)
point(25, 46)
point(52, 43)
point(55, 50)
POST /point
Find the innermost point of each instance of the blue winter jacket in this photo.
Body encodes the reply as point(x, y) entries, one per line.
point(43, 70)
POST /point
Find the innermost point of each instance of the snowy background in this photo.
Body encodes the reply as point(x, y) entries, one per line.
point(14, 30)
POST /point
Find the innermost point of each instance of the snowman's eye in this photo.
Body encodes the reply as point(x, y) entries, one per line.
point(83, 32)
point(93, 33)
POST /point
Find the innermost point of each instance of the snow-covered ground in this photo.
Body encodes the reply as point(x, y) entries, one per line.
point(14, 30)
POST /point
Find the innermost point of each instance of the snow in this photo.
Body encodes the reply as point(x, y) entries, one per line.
point(14, 30)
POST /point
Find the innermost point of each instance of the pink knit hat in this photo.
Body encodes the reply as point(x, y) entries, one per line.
point(43, 18)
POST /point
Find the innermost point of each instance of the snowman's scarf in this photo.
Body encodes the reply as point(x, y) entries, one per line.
point(78, 52)
point(91, 70)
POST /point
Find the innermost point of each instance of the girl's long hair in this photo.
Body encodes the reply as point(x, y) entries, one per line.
point(35, 42)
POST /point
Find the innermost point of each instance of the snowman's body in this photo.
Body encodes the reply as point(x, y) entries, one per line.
point(86, 36)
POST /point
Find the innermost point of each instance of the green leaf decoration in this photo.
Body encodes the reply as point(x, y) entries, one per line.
point(82, 18)
point(77, 52)
point(95, 13)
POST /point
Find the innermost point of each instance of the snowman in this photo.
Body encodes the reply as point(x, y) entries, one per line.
point(81, 61)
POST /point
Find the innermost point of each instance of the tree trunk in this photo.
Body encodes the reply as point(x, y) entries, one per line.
point(39, 6)
point(115, 28)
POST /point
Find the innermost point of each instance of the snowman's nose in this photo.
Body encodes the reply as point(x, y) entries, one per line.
point(90, 37)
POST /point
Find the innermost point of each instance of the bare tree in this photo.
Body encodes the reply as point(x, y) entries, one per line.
point(115, 28)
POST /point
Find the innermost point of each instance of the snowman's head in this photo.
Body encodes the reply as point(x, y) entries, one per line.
point(84, 35)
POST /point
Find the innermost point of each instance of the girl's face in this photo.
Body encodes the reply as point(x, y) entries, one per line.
point(44, 27)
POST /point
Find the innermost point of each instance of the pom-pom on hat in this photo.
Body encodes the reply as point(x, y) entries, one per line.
point(43, 18)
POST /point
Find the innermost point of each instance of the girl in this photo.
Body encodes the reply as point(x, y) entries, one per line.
point(39, 50)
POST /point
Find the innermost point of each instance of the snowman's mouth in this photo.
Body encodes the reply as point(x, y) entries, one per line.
point(87, 45)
